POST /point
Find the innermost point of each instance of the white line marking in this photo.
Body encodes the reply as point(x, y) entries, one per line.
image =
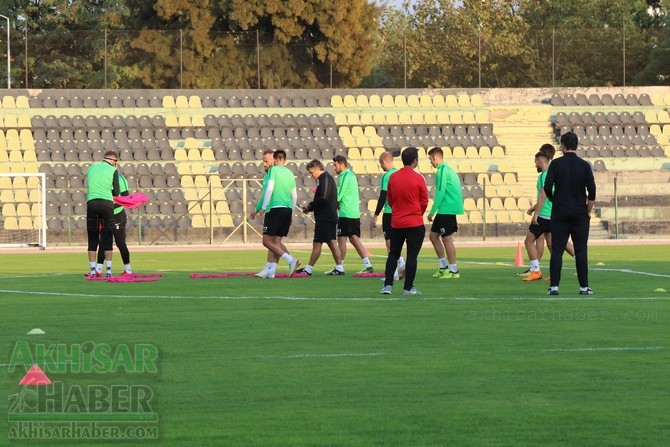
point(6, 365)
point(629, 348)
point(345, 354)
point(300, 298)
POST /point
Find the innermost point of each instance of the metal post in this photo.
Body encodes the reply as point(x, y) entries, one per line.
point(9, 55)
point(106, 56)
point(258, 58)
point(181, 59)
point(616, 210)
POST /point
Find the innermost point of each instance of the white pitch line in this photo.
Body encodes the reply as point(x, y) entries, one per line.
point(591, 299)
point(628, 348)
point(344, 354)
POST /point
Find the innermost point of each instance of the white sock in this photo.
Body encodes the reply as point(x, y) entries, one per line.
point(401, 262)
point(366, 262)
point(109, 264)
point(272, 268)
point(340, 267)
point(98, 268)
point(534, 265)
point(443, 263)
point(308, 268)
point(92, 265)
point(127, 268)
point(453, 268)
point(287, 257)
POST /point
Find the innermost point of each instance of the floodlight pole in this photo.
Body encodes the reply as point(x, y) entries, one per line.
point(9, 56)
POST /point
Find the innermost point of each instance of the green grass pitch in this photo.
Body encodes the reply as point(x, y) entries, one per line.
point(327, 361)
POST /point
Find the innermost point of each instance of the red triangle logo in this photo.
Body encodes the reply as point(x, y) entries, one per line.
point(35, 377)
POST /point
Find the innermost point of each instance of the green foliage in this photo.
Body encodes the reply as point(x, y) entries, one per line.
point(657, 71)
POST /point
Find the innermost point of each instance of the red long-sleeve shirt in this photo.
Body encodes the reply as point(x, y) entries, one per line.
point(408, 196)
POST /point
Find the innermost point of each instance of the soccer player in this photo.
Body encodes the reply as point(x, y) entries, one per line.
point(119, 232)
point(408, 196)
point(324, 206)
point(572, 190)
point(103, 185)
point(447, 204)
point(386, 163)
point(279, 201)
point(539, 231)
point(349, 222)
point(268, 163)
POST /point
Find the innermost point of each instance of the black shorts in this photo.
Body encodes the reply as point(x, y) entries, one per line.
point(277, 222)
point(325, 232)
point(386, 226)
point(445, 224)
point(543, 226)
point(348, 227)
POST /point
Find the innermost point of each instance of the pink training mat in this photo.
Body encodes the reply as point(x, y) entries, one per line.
point(131, 201)
point(232, 274)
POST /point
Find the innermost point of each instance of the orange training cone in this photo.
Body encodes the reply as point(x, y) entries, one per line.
point(518, 262)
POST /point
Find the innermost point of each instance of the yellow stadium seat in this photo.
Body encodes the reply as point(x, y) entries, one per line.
point(417, 118)
point(469, 204)
point(200, 181)
point(425, 101)
point(367, 153)
point(405, 117)
point(22, 209)
point(498, 152)
point(387, 101)
point(11, 223)
point(482, 116)
point(190, 143)
point(469, 117)
point(185, 120)
point(430, 117)
point(208, 154)
point(510, 203)
point(226, 220)
point(475, 217)
point(354, 154)
point(366, 118)
point(517, 216)
point(476, 100)
point(502, 216)
point(443, 117)
point(456, 118)
point(187, 181)
point(464, 100)
point(392, 118)
point(336, 101)
point(400, 101)
point(471, 152)
point(8, 102)
point(194, 102)
point(168, 102)
point(375, 101)
point(496, 203)
point(451, 101)
point(198, 169)
point(180, 154)
point(657, 99)
point(9, 210)
point(362, 101)
point(458, 152)
point(349, 101)
point(222, 207)
point(198, 121)
point(484, 152)
point(171, 120)
point(413, 101)
point(198, 221)
point(438, 101)
point(372, 205)
point(22, 102)
point(523, 204)
point(340, 119)
point(181, 101)
point(379, 118)
point(497, 178)
point(510, 178)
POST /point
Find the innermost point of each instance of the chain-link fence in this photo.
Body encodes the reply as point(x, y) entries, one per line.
point(167, 60)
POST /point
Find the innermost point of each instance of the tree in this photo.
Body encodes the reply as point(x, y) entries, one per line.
point(300, 40)
point(446, 42)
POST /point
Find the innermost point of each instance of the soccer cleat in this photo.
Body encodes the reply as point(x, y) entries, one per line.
point(586, 291)
point(93, 274)
point(367, 270)
point(303, 271)
point(533, 276)
point(548, 278)
point(450, 275)
point(552, 292)
point(126, 273)
point(411, 291)
point(524, 273)
point(292, 266)
point(264, 274)
point(108, 274)
point(440, 273)
point(386, 290)
point(401, 272)
point(335, 272)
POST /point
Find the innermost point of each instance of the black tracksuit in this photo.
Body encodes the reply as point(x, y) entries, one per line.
point(569, 184)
